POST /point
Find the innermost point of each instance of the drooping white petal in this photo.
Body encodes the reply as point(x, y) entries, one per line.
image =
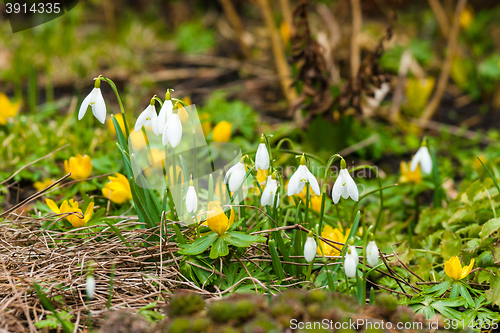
point(235, 176)
point(310, 249)
point(269, 193)
point(354, 253)
point(422, 157)
point(146, 118)
point(293, 184)
point(337, 189)
point(191, 200)
point(165, 112)
point(90, 286)
point(350, 266)
point(313, 182)
point(266, 197)
point(229, 172)
point(173, 130)
point(372, 253)
point(297, 181)
point(344, 187)
point(98, 105)
point(351, 188)
point(262, 157)
point(85, 105)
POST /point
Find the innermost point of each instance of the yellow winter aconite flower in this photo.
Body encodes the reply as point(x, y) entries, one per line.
point(7, 108)
point(217, 221)
point(314, 201)
point(335, 235)
point(222, 132)
point(138, 140)
point(117, 189)
point(408, 176)
point(119, 119)
point(43, 184)
point(466, 17)
point(76, 220)
point(454, 269)
point(79, 166)
point(285, 32)
point(418, 92)
point(206, 125)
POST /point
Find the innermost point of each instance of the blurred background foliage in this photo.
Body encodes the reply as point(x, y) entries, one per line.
point(193, 47)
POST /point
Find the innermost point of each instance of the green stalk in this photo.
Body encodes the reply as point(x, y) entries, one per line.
point(122, 109)
point(365, 244)
point(306, 213)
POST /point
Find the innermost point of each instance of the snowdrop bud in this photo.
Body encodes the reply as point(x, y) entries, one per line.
point(191, 198)
point(350, 264)
point(422, 157)
point(148, 118)
point(90, 286)
point(172, 132)
point(310, 247)
point(262, 155)
point(344, 186)
point(235, 176)
point(372, 253)
point(354, 253)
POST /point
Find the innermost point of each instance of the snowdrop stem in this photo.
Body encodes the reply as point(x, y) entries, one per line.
point(156, 98)
point(188, 110)
point(306, 214)
point(324, 194)
point(122, 109)
point(365, 255)
point(269, 150)
point(309, 271)
point(381, 194)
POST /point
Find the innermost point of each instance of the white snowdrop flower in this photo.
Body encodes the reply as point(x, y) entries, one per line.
point(310, 248)
point(299, 179)
point(172, 132)
point(270, 192)
point(191, 198)
point(90, 286)
point(262, 155)
point(96, 102)
point(148, 118)
point(423, 158)
point(165, 112)
point(235, 176)
point(354, 253)
point(372, 253)
point(344, 185)
point(350, 264)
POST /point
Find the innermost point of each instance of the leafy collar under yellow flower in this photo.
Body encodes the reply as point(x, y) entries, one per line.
point(454, 269)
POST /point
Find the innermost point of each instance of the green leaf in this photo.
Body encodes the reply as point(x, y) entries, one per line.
point(219, 249)
point(199, 245)
point(440, 289)
point(276, 262)
point(493, 294)
point(490, 227)
point(241, 239)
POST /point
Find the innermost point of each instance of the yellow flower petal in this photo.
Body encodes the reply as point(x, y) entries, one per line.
point(222, 132)
point(52, 205)
point(466, 270)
